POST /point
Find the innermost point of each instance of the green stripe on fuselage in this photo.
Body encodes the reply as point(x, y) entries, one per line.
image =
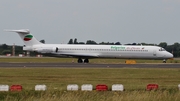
point(118, 47)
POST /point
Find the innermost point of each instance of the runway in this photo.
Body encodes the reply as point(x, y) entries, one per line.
point(82, 65)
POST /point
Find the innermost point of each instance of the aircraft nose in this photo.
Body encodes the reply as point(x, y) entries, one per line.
point(169, 55)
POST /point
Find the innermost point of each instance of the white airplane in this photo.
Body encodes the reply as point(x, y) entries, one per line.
point(85, 52)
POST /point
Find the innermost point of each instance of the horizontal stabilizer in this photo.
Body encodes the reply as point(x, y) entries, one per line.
point(25, 31)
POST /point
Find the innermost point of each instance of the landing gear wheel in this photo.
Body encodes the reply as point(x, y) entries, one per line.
point(86, 60)
point(80, 60)
point(164, 61)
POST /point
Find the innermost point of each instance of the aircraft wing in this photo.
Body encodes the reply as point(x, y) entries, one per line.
point(85, 55)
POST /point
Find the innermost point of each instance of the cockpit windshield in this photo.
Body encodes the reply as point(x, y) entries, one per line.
point(162, 49)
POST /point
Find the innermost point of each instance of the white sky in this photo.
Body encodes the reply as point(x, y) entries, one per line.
point(126, 21)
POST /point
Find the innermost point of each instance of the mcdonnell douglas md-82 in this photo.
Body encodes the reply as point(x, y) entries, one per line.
point(84, 52)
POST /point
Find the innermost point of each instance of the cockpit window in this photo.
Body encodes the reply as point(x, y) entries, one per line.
point(162, 49)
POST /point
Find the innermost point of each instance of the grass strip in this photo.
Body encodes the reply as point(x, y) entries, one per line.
point(57, 79)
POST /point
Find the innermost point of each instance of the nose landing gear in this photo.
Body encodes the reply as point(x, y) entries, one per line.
point(164, 61)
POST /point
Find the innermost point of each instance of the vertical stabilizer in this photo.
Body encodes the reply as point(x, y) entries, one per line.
point(27, 38)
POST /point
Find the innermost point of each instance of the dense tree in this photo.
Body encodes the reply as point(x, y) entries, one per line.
point(70, 41)
point(102, 43)
point(169, 48)
point(42, 41)
point(128, 44)
point(117, 43)
point(90, 42)
point(148, 44)
point(176, 46)
point(19, 50)
point(110, 43)
point(163, 44)
point(106, 43)
point(176, 49)
point(134, 44)
point(75, 41)
point(4, 52)
point(81, 43)
point(4, 46)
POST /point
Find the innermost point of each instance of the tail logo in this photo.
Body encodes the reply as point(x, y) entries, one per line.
point(28, 37)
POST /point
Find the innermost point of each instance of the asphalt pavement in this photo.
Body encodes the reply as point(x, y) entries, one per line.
point(83, 65)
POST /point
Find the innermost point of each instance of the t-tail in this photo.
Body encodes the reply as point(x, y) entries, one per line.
point(27, 38)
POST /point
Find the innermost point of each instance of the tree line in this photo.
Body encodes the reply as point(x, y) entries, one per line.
point(92, 42)
point(174, 48)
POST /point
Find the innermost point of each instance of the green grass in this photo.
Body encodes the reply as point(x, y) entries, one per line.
point(70, 60)
point(57, 79)
point(93, 96)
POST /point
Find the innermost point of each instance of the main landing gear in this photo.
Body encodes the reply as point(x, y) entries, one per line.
point(80, 60)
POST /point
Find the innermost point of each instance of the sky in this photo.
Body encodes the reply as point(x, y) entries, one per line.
point(124, 21)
